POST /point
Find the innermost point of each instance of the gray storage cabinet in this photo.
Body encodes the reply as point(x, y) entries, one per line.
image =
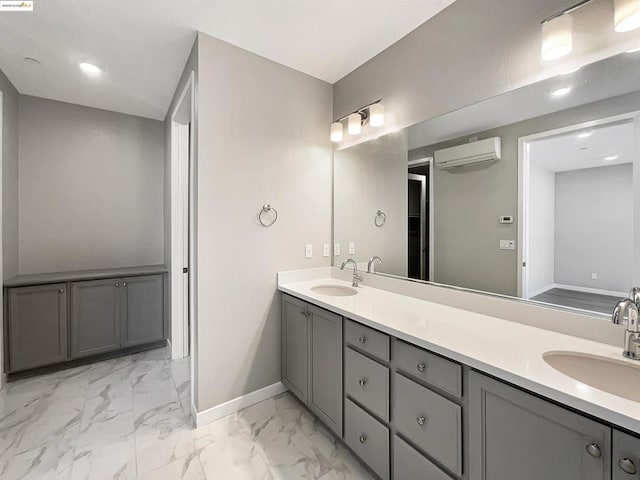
point(312, 359)
point(626, 456)
point(515, 435)
point(37, 326)
point(142, 310)
point(95, 317)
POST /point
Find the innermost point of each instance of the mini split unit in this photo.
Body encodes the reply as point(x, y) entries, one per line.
point(469, 153)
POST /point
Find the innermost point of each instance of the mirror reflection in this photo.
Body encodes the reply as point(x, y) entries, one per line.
point(533, 194)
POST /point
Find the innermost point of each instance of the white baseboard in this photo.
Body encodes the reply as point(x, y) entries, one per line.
point(538, 291)
point(232, 406)
point(598, 291)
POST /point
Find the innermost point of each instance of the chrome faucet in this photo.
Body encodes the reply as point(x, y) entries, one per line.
point(356, 278)
point(629, 308)
point(371, 267)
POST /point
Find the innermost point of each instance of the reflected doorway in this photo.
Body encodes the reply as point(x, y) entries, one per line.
point(420, 218)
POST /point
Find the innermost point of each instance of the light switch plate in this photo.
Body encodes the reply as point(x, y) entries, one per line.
point(325, 250)
point(594, 276)
point(507, 244)
point(336, 249)
point(308, 251)
point(352, 248)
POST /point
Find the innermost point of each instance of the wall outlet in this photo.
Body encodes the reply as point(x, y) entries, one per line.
point(594, 276)
point(308, 251)
point(325, 250)
point(336, 249)
point(352, 248)
point(507, 244)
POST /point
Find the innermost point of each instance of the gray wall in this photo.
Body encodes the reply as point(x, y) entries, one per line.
point(90, 188)
point(468, 203)
point(541, 247)
point(469, 52)
point(271, 145)
point(369, 177)
point(594, 227)
point(9, 177)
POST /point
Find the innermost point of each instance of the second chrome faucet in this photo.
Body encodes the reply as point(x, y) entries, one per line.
point(356, 278)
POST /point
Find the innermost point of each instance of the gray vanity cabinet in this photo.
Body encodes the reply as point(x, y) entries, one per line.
point(312, 359)
point(142, 310)
point(37, 326)
point(626, 457)
point(513, 434)
point(95, 317)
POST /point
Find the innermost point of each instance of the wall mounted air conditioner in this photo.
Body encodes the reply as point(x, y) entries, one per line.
point(469, 153)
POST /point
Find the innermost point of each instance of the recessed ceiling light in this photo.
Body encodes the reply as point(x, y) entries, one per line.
point(32, 61)
point(611, 158)
point(561, 92)
point(90, 69)
point(586, 134)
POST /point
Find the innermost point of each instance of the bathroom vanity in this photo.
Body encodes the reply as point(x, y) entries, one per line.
point(56, 318)
point(419, 390)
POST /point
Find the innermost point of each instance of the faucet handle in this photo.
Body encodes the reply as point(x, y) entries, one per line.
point(634, 296)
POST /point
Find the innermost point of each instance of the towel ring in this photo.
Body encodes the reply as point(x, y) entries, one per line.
point(380, 219)
point(267, 209)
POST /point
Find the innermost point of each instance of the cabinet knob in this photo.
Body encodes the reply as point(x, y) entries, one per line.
point(117, 285)
point(627, 466)
point(594, 450)
point(61, 290)
point(362, 382)
point(362, 339)
point(363, 438)
point(421, 367)
point(421, 421)
point(124, 284)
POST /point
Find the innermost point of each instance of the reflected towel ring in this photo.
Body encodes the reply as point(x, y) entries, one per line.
point(380, 219)
point(266, 209)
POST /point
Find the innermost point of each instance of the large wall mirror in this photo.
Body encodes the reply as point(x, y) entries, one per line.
point(534, 194)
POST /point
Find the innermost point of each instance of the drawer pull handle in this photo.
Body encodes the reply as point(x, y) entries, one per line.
point(421, 421)
point(362, 339)
point(363, 438)
point(627, 466)
point(117, 285)
point(61, 290)
point(302, 312)
point(124, 284)
point(594, 450)
point(362, 382)
point(421, 367)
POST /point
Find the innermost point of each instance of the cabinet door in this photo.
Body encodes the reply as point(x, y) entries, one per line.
point(95, 317)
point(515, 435)
point(325, 394)
point(37, 326)
point(143, 310)
point(626, 456)
point(295, 346)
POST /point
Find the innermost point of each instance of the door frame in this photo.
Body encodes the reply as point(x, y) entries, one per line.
point(423, 214)
point(3, 376)
point(418, 163)
point(524, 162)
point(182, 222)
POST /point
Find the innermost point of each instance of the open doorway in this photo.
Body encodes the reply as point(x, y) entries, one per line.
point(182, 147)
point(577, 207)
point(420, 219)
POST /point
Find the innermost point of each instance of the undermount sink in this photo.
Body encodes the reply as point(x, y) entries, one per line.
point(613, 376)
point(334, 290)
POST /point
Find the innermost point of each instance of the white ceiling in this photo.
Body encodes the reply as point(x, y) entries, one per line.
point(143, 44)
point(566, 152)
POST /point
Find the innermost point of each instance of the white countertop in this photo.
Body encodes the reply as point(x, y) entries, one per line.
point(508, 350)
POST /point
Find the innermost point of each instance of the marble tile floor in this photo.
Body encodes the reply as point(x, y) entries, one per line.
point(128, 418)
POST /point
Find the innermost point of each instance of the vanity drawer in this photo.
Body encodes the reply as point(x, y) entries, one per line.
point(408, 464)
point(433, 369)
point(367, 382)
point(367, 339)
point(429, 420)
point(367, 437)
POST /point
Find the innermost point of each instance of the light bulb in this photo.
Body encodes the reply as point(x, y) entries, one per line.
point(336, 132)
point(557, 38)
point(90, 69)
point(354, 124)
point(376, 115)
point(626, 15)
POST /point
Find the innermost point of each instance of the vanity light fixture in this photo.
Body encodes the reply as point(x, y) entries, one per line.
point(561, 92)
point(627, 15)
point(90, 69)
point(374, 113)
